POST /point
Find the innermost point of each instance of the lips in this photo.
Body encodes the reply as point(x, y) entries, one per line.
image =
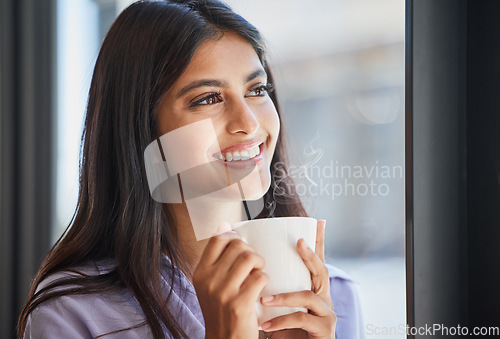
point(240, 152)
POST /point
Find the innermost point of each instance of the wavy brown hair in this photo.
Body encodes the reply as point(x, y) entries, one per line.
point(145, 51)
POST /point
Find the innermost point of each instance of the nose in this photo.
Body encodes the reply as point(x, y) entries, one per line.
point(241, 118)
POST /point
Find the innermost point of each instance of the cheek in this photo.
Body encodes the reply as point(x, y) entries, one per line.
point(169, 121)
point(270, 122)
point(171, 117)
point(165, 116)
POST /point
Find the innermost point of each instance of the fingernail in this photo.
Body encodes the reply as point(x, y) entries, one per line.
point(224, 227)
point(267, 298)
point(266, 325)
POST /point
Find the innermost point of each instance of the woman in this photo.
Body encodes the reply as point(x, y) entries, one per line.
point(131, 267)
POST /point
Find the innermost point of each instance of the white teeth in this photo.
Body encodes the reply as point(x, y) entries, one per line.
point(256, 150)
point(245, 155)
point(251, 152)
point(240, 155)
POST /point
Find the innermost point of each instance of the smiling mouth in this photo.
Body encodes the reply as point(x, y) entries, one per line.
point(242, 154)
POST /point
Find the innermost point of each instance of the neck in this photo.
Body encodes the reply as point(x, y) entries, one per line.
point(196, 221)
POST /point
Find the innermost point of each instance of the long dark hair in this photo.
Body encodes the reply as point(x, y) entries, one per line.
point(146, 50)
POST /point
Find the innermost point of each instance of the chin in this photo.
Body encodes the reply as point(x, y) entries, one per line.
point(256, 190)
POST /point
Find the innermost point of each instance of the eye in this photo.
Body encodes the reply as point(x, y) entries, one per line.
point(260, 91)
point(210, 99)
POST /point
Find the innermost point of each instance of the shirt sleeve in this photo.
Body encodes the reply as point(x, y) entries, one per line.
point(346, 305)
point(54, 320)
point(86, 316)
point(114, 313)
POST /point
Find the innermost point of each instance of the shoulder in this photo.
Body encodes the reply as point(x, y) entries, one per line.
point(337, 273)
point(343, 291)
point(84, 315)
point(346, 304)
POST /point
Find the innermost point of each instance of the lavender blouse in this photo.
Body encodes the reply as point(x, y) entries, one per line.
point(89, 316)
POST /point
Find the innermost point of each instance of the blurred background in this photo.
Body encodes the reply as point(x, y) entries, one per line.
point(339, 68)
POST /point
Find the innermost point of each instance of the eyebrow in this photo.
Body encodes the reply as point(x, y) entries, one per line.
point(254, 75)
point(215, 83)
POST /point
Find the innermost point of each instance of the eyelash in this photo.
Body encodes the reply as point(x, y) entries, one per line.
point(268, 88)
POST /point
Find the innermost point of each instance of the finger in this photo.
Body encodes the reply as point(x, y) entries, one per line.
point(306, 299)
point(320, 240)
point(319, 273)
point(234, 248)
point(315, 326)
point(215, 247)
point(243, 265)
point(223, 228)
point(233, 266)
point(253, 286)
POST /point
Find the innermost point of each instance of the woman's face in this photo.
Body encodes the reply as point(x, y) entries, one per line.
point(229, 123)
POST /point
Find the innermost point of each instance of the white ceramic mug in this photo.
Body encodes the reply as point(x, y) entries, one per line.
point(275, 239)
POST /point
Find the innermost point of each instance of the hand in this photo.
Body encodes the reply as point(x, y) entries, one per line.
point(320, 321)
point(228, 281)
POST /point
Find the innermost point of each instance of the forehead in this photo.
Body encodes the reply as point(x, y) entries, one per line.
point(230, 56)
